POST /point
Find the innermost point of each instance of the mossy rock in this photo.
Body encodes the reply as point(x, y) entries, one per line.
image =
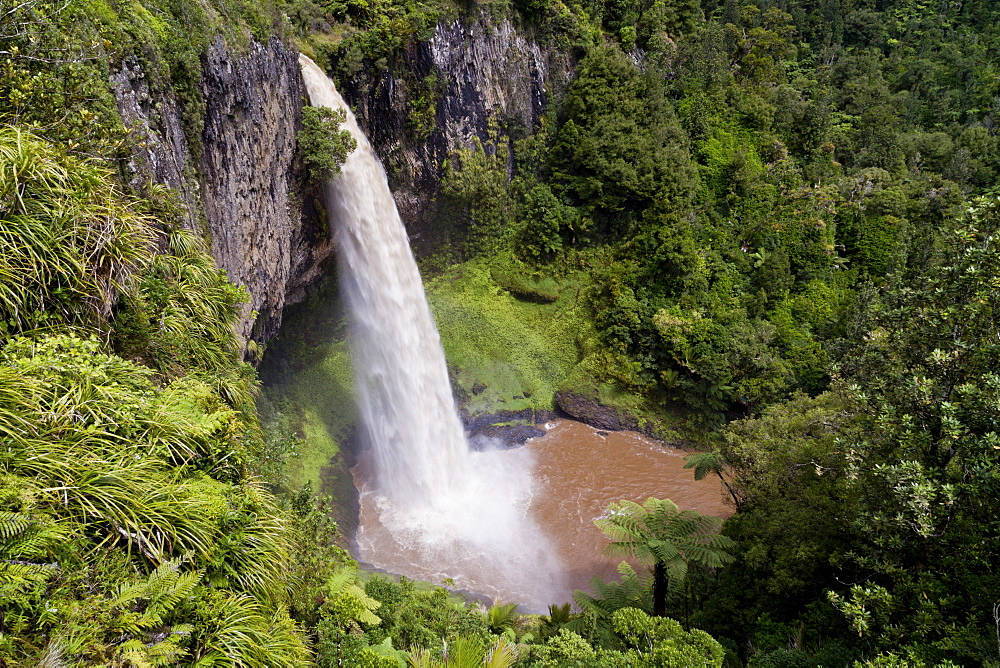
point(603, 405)
point(589, 410)
point(529, 289)
point(579, 396)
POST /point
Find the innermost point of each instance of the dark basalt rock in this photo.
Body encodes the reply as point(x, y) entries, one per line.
point(490, 70)
point(590, 411)
point(508, 429)
point(240, 188)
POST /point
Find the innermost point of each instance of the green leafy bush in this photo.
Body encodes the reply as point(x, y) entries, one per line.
point(323, 145)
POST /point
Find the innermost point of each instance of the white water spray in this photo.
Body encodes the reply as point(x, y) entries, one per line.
point(446, 511)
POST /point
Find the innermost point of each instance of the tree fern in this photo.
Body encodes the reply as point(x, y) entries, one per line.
point(347, 602)
point(559, 616)
point(159, 593)
point(631, 591)
point(146, 606)
point(660, 535)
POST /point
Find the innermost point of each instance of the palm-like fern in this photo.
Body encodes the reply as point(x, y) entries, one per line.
point(146, 605)
point(559, 616)
point(712, 462)
point(595, 622)
point(631, 591)
point(660, 535)
point(503, 617)
point(347, 601)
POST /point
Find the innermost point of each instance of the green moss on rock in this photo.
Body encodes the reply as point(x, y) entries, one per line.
point(506, 353)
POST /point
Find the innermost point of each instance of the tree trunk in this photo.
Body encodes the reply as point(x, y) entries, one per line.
point(659, 590)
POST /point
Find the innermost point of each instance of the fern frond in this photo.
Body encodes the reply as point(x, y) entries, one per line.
point(502, 654)
point(704, 463)
point(465, 652)
point(420, 658)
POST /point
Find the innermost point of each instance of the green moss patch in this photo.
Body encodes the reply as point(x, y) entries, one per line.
point(505, 353)
point(308, 379)
point(539, 291)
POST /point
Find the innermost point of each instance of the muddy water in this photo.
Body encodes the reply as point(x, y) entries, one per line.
point(581, 470)
point(578, 471)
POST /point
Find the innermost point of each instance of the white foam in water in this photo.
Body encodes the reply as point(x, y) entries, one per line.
point(439, 509)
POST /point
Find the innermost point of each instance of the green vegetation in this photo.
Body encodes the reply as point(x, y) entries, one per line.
point(775, 222)
point(137, 522)
point(309, 391)
point(507, 352)
point(133, 528)
point(69, 241)
point(323, 145)
point(771, 226)
point(660, 535)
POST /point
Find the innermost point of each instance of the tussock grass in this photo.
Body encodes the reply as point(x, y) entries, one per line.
point(70, 243)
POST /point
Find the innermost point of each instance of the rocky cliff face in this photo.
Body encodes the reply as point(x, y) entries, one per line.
point(241, 191)
point(485, 71)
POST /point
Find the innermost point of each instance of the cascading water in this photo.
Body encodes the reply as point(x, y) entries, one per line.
point(450, 512)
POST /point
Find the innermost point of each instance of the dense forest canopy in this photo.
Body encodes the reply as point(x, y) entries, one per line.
point(782, 215)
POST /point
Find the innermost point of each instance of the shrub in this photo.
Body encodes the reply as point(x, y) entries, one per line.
point(323, 145)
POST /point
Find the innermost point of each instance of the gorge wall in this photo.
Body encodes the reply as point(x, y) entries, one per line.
point(240, 187)
point(485, 70)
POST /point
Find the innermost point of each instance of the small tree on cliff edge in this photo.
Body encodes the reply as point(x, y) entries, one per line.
point(666, 539)
point(323, 145)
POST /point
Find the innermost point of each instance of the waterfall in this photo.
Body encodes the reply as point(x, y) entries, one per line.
point(430, 508)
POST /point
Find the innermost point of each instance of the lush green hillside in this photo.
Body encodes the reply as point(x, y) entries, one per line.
point(137, 526)
point(773, 224)
point(134, 528)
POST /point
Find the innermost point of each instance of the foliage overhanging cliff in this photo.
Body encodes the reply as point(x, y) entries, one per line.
point(136, 527)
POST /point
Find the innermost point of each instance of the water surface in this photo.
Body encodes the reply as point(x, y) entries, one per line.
point(577, 471)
